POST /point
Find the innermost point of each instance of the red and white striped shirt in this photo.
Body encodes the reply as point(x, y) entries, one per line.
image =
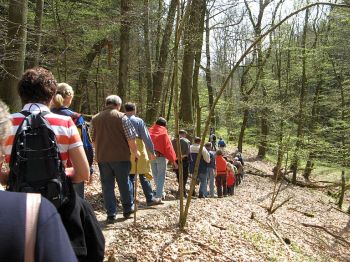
point(66, 132)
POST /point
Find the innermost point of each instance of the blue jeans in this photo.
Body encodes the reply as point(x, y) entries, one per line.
point(109, 173)
point(146, 187)
point(158, 171)
point(203, 184)
point(79, 188)
point(211, 179)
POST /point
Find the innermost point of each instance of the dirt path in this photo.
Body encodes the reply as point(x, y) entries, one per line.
point(222, 229)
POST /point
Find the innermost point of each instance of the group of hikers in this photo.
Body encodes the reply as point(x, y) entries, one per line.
point(48, 150)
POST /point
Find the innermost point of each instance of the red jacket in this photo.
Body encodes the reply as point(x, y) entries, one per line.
point(230, 179)
point(162, 142)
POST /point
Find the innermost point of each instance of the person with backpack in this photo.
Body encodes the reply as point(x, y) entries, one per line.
point(61, 103)
point(48, 241)
point(211, 170)
point(203, 164)
point(37, 151)
point(185, 156)
point(212, 140)
point(221, 144)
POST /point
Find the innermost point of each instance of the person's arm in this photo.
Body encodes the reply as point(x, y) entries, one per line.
point(133, 147)
point(80, 171)
point(52, 242)
point(146, 138)
point(205, 155)
point(131, 135)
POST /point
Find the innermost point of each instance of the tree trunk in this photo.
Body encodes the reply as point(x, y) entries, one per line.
point(243, 127)
point(159, 29)
point(300, 130)
point(197, 59)
point(158, 75)
point(82, 83)
point(192, 30)
point(125, 28)
point(147, 46)
point(15, 53)
point(39, 9)
point(208, 69)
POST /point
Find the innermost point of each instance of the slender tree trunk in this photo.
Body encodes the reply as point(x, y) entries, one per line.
point(15, 51)
point(80, 95)
point(159, 29)
point(39, 9)
point(300, 129)
point(197, 59)
point(124, 48)
point(158, 75)
point(97, 80)
point(147, 46)
point(192, 30)
point(208, 69)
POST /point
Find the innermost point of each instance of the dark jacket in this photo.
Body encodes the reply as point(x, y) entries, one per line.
point(83, 229)
point(52, 243)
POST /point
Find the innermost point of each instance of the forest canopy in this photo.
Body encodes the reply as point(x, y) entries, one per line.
point(289, 96)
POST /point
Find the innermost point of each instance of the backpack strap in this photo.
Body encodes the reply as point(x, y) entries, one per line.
point(28, 113)
point(32, 213)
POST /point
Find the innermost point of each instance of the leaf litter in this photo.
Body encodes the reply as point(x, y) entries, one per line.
point(234, 228)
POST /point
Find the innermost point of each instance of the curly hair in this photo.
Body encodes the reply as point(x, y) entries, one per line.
point(37, 85)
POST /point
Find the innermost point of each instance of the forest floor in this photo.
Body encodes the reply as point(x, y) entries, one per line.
point(308, 227)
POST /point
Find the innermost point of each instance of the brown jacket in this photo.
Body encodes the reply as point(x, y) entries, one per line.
point(109, 137)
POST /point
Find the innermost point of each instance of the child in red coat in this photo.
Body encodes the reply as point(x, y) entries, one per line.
point(230, 179)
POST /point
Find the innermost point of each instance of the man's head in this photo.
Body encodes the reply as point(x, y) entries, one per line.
point(182, 133)
point(37, 85)
point(197, 140)
point(114, 101)
point(161, 121)
point(130, 108)
point(208, 146)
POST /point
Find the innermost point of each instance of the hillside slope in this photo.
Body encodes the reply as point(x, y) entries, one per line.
point(223, 230)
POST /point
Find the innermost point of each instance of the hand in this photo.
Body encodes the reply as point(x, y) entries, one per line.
point(175, 165)
point(152, 156)
point(137, 154)
point(4, 177)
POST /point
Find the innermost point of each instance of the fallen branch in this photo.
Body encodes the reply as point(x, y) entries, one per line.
point(257, 172)
point(280, 238)
point(328, 232)
point(278, 206)
point(301, 212)
point(338, 209)
point(219, 227)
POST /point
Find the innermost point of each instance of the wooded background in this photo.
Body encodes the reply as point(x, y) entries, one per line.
point(290, 96)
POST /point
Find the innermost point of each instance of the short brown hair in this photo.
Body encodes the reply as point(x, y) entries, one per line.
point(37, 85)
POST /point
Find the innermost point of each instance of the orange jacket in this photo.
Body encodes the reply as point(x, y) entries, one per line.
point(221, 165)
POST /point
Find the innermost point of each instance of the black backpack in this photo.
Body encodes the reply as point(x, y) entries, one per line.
point(36, 164)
